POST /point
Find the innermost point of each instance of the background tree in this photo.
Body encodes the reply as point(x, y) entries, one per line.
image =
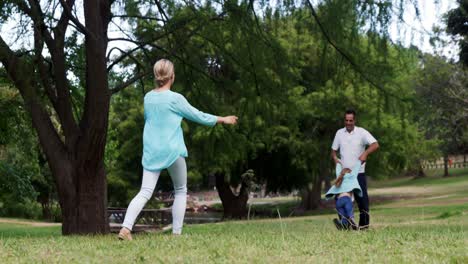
point(457, 24)
point(234, 57)
point(444, 114)
point(19, 166)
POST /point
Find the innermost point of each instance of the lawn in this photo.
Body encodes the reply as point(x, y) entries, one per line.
point(432, 228)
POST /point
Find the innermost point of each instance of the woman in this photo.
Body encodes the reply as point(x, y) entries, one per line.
point(164, 147)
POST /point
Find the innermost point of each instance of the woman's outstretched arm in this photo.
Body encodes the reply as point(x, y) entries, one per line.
point(229, 120)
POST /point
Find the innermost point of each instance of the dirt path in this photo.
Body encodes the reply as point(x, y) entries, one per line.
point(30, 223)
point(426, 202)
point(427, 190)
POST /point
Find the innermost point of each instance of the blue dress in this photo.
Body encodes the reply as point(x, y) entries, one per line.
point(163, 139)
point(349, 184)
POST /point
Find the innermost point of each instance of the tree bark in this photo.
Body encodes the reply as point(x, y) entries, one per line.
point(328, 178)
point(233, 206)
point(75, 155)
point(446, 173)
point(419, 172)
point(311, 195)
point(84, 205)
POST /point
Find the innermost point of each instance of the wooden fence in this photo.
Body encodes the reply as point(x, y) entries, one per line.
point(452, 165)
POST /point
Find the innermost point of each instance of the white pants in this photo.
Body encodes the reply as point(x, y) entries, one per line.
point(178, 173)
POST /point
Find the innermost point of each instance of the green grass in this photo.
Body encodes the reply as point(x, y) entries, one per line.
point(452, 172)
point(434, 177)
point(8, 230)
point(416, 230)
point(401, 235)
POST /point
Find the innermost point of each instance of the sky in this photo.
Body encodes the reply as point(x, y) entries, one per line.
point(430, 15)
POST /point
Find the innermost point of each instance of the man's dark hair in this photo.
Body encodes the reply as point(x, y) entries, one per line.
point(351, 112)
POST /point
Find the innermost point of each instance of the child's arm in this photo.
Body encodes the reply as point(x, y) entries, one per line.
point(338, 181)
point(339, 177)
point(355, 171)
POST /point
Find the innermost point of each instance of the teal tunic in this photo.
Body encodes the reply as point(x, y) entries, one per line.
point(349, 184)
point(163, 139)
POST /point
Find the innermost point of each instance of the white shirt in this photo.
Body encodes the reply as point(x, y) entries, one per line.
point(352, 145)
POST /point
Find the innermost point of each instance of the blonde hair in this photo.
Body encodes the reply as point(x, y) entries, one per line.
point(163, 71)
point(339, 180)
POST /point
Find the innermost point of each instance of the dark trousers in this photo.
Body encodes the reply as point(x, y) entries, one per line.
point(363, 202)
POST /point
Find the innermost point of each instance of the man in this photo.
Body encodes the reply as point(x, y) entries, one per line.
point(352, 141)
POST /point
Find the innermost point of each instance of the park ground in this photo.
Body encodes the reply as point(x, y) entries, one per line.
point(413, 221)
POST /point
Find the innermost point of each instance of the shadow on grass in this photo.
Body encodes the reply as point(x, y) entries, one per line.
point(449, 214)
point(17, 231)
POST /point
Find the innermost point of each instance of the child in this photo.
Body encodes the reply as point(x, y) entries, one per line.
point(345, 186)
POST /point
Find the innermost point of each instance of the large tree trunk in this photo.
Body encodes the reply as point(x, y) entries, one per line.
point(74, 151)
point(82, 182)
point(328, 178)
point(446, 173)
point(417, 172)
point(311, 195)
point(234, 206)
point(421, 173)
point(84, 205)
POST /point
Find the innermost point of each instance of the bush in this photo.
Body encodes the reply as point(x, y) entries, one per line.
point(17, 194)
point(25, 209)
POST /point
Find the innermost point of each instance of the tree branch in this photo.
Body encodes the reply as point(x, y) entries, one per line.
point(139, 17)
point(68, 12)
point(64, 18)
point(36, 16)
point(129, 82)
point(44, 73)
point(22, 73)
point(61, 99)
point(347, 57)
point(125, 54)
point(161, 10)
